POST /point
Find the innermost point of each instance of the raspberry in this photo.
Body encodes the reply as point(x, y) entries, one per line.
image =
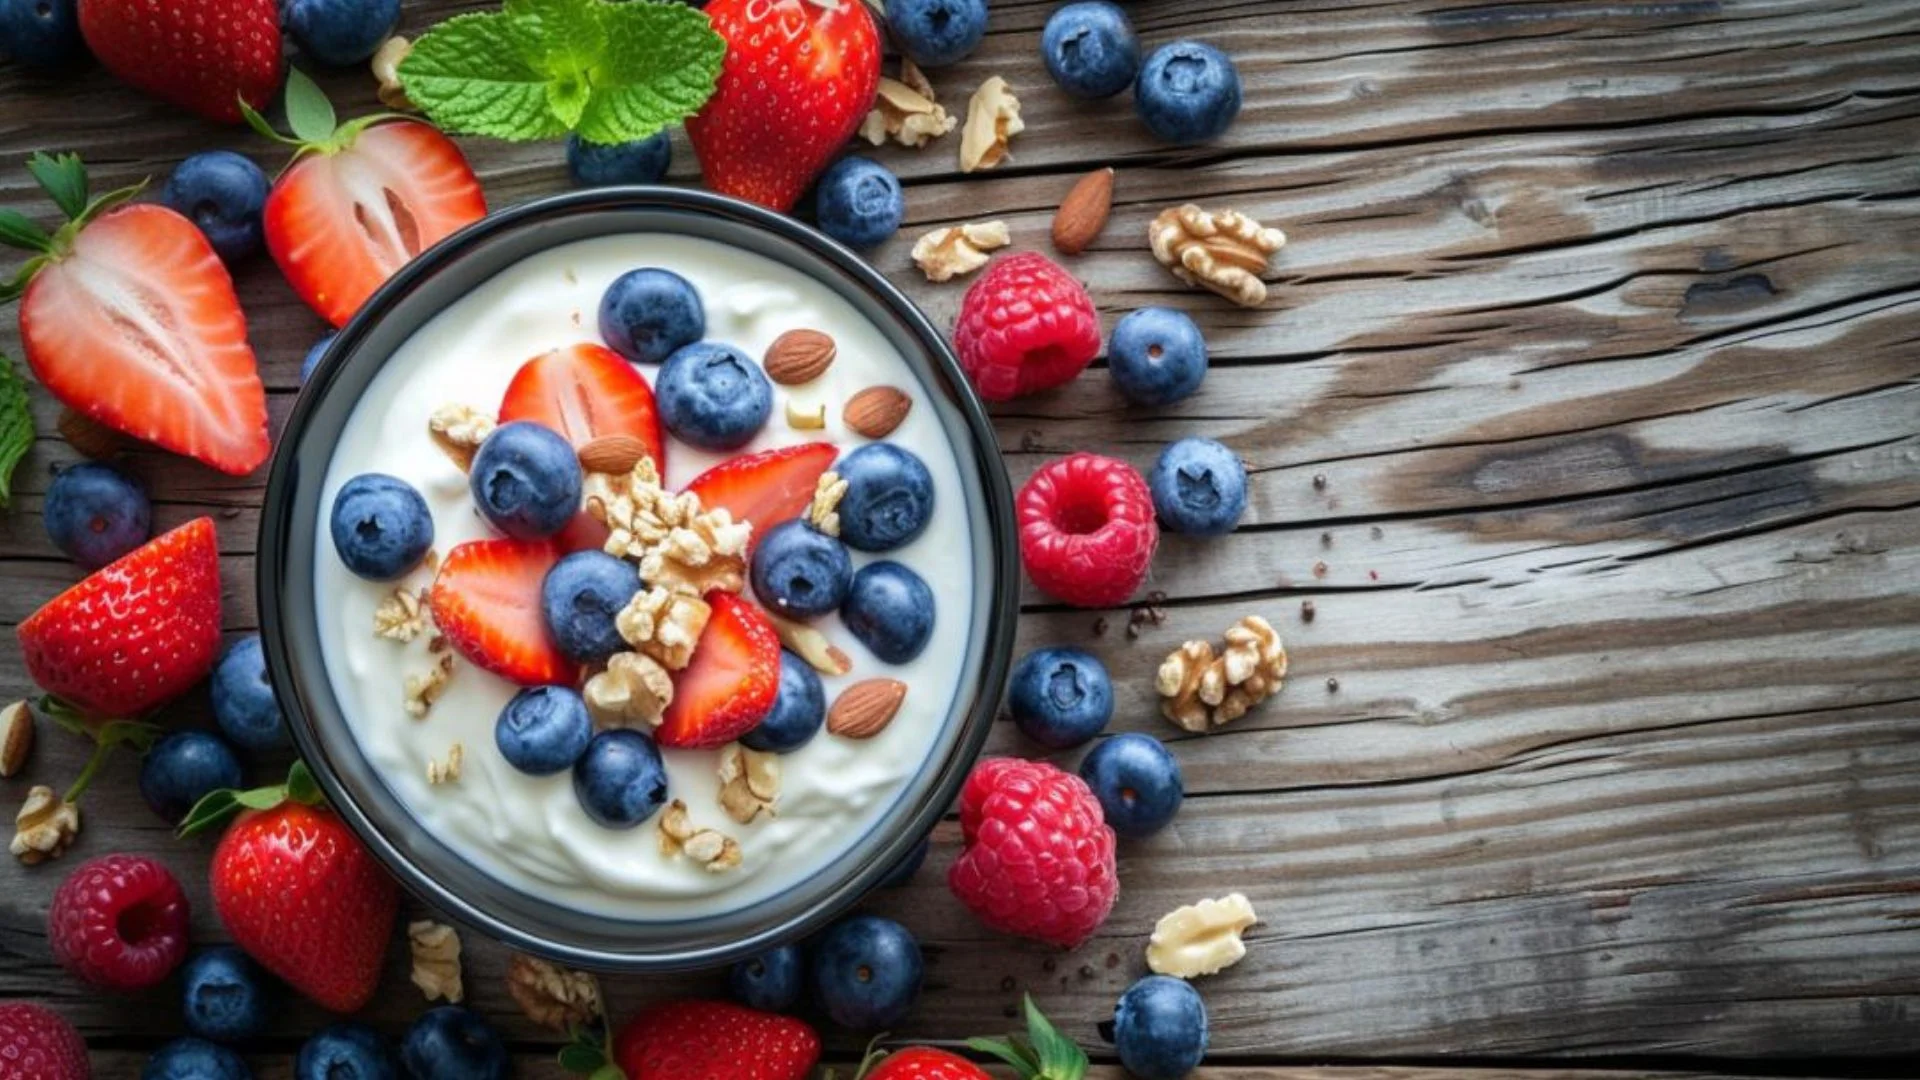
point(36, 1043)
point(1087, 532)
point(119, 922)
point(1039, 855)
point(1026, 325)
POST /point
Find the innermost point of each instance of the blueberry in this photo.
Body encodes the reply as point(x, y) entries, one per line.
point(346, 1051)
point(866, 972)
point(182, 768)
point(1091, 49)
point(340, 32)
point(1137, 782)
point(381, 526)
point(770, 982)
point(713, 397)
point(890, 609)
point(1187, 92)
point(646, 314)
point(580, 599)
point(453, 1042)
point(798, 711)
point(1157, 356)
point(40, 35)
point(904, 870)
point(314, 356)
point(859, 202)
point(1199, 487)
point(224, 194)
point(225, 995)
point(1060, 697)
point(643, 161)
point(195, 1059)
point(543, 730)
point(889, 497)
point(620, 780)
point(96, 513)
point(799, 571)
point(243, 701)
point(526, 480)
point(1160, 1028)
point(937, 32)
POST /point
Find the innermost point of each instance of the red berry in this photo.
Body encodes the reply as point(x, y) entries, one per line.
point(1039, 855)
point(926, 1063)
point(203, 55)
point(37, 1043)
point(715, 1040)
point(119, 922)
point(1026, 325)
point(1087, 531)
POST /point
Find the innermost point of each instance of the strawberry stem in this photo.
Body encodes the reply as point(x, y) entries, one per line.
point(590, 1054)
point(64, 177)
point(106, 737)
point(310, 117)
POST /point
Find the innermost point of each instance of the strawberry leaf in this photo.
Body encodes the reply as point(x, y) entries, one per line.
point(309, 113)
point(19, 231)
point(65, 181)
point(16, 426)
point(1045, 1054)
point(214, 808)
point(477, 73)
point(662, 62)
point(302, 787)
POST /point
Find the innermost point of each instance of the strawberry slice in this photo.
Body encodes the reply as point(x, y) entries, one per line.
point(730, 684)
point(766, 488)
point(486, 599)
point(586, 392)
point(129, 318)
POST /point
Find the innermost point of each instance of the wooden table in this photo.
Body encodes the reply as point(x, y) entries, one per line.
point(1585, 435)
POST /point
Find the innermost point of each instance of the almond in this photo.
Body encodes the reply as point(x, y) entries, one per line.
point(799, 356)
point(16, 737)
point(91, 438)
point(865, 709)
point(877, 410)
point(615, 454)
point(1084, 212)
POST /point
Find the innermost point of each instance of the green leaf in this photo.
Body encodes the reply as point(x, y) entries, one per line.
point(588, 1054)
point(261, 798)
point(19, 231)
point(302, 787)
point(567, 96)
point(571, 39)
point(136, 734)
point(214, 808)
point(661, 64)
point(1060, 1057)
point(64, 714)
point(1007, 1050)
point(65, 179)
point(472, 74)
point(16, 426)
point(309, 113)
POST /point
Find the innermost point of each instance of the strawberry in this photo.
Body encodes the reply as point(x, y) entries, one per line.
point(360, 200)
point(925, 1063)
point(729, 685)
point(586, 392)
point(137, 632)
point(298, 891)
point(202, 55)
point(714, 1040)
point(130, 319)
point(799, 77)
point(486, 599)
point(766, 488)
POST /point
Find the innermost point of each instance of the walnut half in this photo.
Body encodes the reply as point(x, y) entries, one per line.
point(1225, 253)
point(905, 111)
point(664, 625)
point(553, 997)
point(1200, 690)
point(436, 960)
point(955, 250)
point(633, 691)
point(1202, 938)
point(749, 783)
point(711, 848)
point(44, 827)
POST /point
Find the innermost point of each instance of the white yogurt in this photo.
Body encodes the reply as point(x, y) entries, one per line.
point(530, 832)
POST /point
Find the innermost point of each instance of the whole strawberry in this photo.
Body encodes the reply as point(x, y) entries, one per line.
point(1042, 1053)
point(799, 77)
point(1039, 857)
point(37, 1043)
point(925, 1063)
point(202, 55)
point(1026, 325)
point(714, 1040)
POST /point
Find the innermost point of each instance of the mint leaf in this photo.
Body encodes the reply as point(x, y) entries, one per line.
point(16, 426)
point(476, 74)
point(309, 113)
point(661, 65)
point(569, 31)
point(65, 180)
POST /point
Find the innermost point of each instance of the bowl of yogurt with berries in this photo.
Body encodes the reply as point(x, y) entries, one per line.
point(637, 574)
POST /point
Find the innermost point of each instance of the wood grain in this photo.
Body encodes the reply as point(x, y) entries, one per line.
point(1586, 417)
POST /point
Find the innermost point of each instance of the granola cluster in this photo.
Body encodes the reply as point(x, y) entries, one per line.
point(678, 544)
point(711, 848)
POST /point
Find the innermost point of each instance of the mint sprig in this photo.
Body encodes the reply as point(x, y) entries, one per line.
point(537, 69)
point(16, 426)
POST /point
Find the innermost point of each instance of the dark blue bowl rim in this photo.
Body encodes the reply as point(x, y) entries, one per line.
point(280, 598)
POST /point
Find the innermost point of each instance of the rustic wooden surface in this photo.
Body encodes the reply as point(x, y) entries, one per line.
point(1586, 416)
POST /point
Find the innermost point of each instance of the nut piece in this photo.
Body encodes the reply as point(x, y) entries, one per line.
point(993, 117)
point(711, 848)
point(800, 419)
point(664, 625)
point(16, 737)
point(824, 512)
point(1200, 939)
point(458, 430)
point(44, 827)
point(1225, 252)
point(89, 437)
point(448, 771)
point(809, 644)
point(553, 997)
point(425, 688)
point(612, 454)
point(864, 709)
point(1084, 212)
point(679, 545)
point(1200, 690)
point(634, 691)
point(876, 411)
point(402, 616)
point(436, 960)
point(749, 783)
point(905, 111)
point(386, 70)
point(945, 254)
point(799, 356)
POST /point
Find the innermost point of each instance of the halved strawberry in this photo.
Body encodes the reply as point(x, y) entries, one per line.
point(729, 686)
point(486, 599)
point(586, 392)
point(130, 319)
point(766, 488)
